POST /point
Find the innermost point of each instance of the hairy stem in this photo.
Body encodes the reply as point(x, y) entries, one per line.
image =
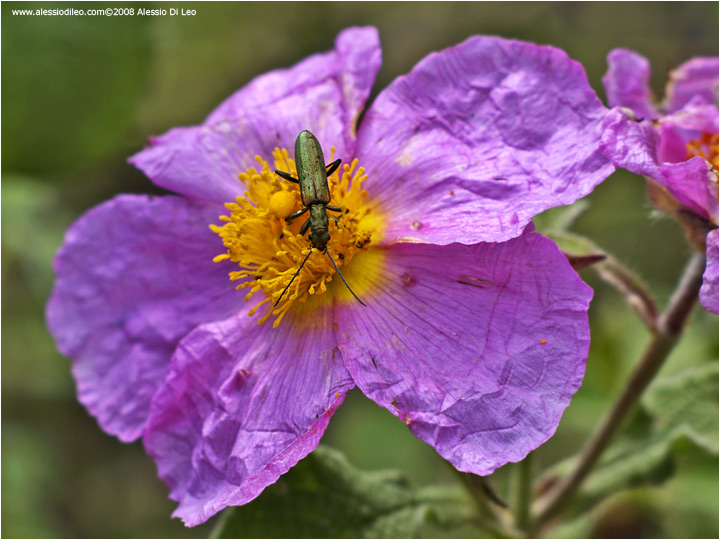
point(523, 492)
point(637, 295)
point(667, 331)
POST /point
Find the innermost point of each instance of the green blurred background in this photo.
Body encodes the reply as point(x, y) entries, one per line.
point(81, 94)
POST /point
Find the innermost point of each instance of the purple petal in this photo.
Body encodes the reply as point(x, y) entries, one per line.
point(695, 117)
point(695, 78)
point(678, 129)
point(626, 83)
point(134, 275)
point(694, 184)
point(353, 66)
point(198, 162)
point(630, 145)
point(477, 348)
point(240, 406)
point(324, 93)
point(634, 146)
point(709, 289)
point(672, 147)
point(478, 139)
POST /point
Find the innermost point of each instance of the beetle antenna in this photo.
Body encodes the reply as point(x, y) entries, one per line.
point(296, 275)
point(341, 277)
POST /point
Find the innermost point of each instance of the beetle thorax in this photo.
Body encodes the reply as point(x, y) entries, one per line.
point(319, 234)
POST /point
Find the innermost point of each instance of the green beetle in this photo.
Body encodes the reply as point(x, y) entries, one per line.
point(312, 177)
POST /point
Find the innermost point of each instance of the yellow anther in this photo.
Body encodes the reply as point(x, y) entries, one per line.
point(268, 249)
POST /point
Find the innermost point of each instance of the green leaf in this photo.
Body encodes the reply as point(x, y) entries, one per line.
point(561, 218)
point(574, 244)
point(70, 85)
point(683, 413)
point(640, 458)
point(325, 497)
point(687, 403)
point(630, 463)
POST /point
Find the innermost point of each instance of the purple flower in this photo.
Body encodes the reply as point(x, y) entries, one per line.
point(675, 144)
point(475, 332)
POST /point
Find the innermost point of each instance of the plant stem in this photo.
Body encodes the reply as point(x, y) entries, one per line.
point(639, 298)
point(667, 331)
point(492, 513)
point(523, 492)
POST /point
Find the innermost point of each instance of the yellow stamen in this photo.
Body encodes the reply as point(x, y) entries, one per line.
point(268, 249)
point(706, 147)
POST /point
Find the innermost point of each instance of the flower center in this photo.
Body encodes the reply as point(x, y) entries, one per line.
point(706, 147)
point(269, 248)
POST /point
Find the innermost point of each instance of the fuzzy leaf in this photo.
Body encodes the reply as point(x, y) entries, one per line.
point(687, 403)
point(631, 463)
point(683, 411)
point(325, 497)
point(575, 244)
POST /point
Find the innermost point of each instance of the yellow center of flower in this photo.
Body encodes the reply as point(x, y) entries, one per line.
point(269, 249)
point(706, 147)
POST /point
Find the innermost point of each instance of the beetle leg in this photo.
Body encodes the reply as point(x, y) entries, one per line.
point(334, 208)
point(332, 167)
point(337, 220)
point(297, 214)
point(305, 227)
point(287, 176)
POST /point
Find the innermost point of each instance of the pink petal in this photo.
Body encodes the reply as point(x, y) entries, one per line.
point(324, 93)
point(479, 138)
point(240, 406)
point(134, 275)
point(477, 348)
point(709, 289)
point(697, 77)
point(626, 83)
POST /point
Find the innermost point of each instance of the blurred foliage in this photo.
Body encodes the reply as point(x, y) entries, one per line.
point(73, 86)
point(81, 94)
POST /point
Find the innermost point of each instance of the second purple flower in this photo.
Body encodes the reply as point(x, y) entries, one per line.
point(674, 144)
